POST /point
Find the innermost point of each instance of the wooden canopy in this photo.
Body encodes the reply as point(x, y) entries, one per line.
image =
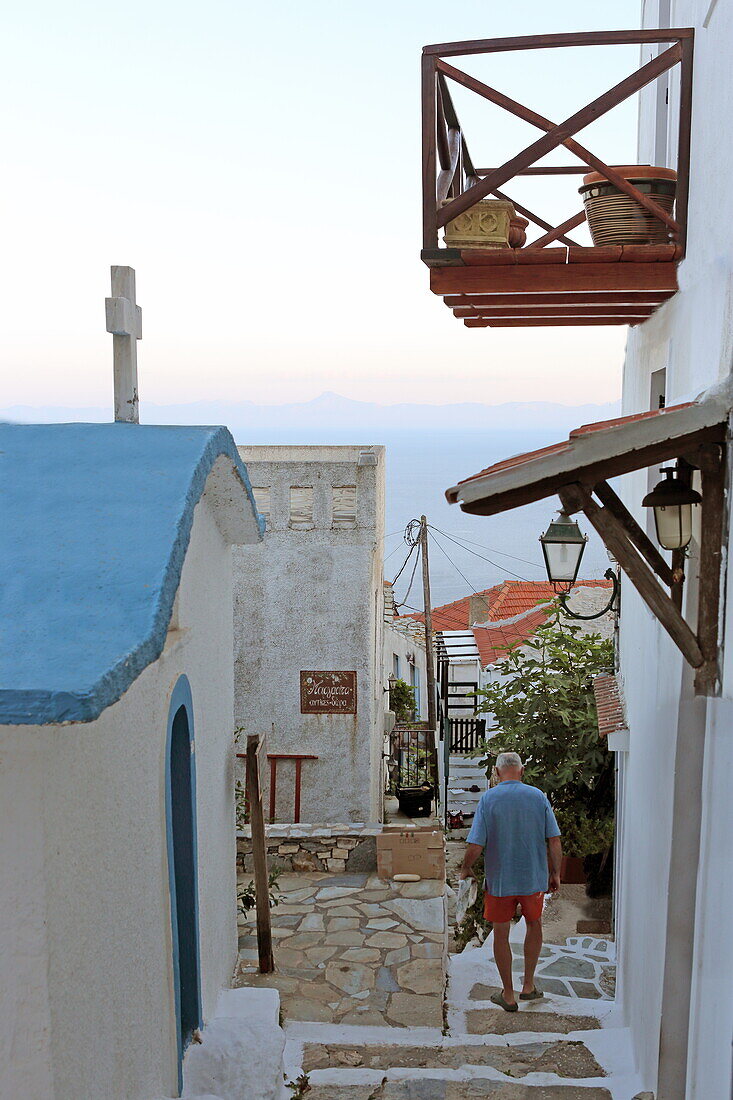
point(578, 469)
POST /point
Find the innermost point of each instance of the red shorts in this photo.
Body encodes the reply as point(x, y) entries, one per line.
point(500, 910)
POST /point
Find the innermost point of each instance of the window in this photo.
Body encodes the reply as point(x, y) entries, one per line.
point(301, 507)
point(344, 505)
point(262, 500)
point(415, 684)
point(396, 666)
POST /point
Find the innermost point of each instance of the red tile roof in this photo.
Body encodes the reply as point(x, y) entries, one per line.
point(510, 600)
point(564, 445)
point(609, 704)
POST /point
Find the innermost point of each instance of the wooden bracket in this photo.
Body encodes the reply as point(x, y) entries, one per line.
point(577, 498)
point(711, 461)
point(638, 536)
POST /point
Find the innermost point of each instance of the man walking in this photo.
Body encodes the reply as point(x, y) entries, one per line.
point(514, 825)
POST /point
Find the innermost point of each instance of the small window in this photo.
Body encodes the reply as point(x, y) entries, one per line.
point(262, 500)
point(396, 666)
point(301, 506)
point(344, 505)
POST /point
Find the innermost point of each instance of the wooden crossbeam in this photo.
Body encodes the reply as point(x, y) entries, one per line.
point(561, 135)
point(534, 218)
point(567, 309)
point(549, 278)
point(579, 321)
point(577, 498)
point(638, 536)
point(552, 41)
point(642, 298)
point(557, 233)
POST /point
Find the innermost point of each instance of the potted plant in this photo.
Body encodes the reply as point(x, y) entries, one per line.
point(582, 836)
point(615, 218)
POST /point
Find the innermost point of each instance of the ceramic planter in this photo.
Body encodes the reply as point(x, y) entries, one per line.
point(485, 225)
point(616, 218)
point(572, 870)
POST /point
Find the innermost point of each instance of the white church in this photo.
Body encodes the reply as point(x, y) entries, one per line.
point(117, 851)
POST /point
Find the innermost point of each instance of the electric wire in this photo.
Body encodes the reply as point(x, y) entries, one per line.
point(412, 578)
point(410, 552)
point(502, 553)
point(494, 563)
point(462, 575)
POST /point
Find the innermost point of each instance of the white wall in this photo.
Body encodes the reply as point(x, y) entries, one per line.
point(86, 979)
point(690, 337)
point(397, 643)
point(312, 599)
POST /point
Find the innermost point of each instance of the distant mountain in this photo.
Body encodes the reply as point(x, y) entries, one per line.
point(332, 412)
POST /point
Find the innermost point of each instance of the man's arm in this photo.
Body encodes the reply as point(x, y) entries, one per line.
point(555, 847)
point(473, 851)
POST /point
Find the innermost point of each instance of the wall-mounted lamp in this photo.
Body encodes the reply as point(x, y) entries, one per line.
point(672, 501)
point(563, 544)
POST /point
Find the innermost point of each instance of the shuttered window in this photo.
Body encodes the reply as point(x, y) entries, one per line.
point(344, 505)
point(301, 506)
point(262, 500)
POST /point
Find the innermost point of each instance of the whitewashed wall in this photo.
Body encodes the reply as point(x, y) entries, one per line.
point(313, 600)
point(397, 643)
point(86, 977)
point(673, 739)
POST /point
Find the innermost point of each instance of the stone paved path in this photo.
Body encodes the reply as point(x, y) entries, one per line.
point(359, 969)
point(353, 949)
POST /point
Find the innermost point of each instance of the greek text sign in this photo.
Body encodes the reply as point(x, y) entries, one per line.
point(328, 693)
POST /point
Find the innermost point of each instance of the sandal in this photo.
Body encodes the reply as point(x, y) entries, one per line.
point(533, 996)
point(498, 999)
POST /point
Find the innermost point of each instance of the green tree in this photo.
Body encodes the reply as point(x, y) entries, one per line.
point(544, 709)
point(402, 701)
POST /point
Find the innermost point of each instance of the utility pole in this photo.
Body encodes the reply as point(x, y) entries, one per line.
point(429, 648)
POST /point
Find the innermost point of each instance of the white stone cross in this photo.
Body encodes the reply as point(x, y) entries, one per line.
point(125, 321)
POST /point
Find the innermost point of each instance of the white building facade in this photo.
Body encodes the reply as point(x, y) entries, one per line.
point(674, 886)
point(118, 851)
point(317, 607)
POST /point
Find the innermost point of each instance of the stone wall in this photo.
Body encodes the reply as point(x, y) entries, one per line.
point(309, 848)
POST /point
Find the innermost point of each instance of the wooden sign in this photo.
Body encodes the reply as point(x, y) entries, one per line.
point(328, 693)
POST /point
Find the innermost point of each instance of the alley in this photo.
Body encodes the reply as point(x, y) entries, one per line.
point(360, 969)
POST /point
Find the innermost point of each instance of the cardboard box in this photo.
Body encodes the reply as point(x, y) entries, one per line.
point(411, 852)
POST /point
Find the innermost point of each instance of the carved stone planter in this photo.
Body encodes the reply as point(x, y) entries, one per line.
point(485, 225)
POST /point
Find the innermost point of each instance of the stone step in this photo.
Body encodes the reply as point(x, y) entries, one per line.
point(435, 1088)
point(563, 1058)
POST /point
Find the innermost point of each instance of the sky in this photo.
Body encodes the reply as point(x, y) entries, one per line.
point(259, 166)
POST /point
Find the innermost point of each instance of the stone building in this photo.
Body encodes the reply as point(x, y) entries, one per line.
point(117, 847)
point(308, 630)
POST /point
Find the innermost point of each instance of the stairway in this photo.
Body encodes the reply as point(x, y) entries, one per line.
point(463, 1067)
point(465, 773)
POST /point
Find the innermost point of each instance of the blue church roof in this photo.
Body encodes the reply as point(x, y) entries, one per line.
point(95, 521)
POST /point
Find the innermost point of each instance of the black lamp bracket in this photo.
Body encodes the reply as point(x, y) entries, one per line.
point(610, 575)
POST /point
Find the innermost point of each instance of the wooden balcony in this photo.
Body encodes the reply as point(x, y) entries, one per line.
point(552, 280)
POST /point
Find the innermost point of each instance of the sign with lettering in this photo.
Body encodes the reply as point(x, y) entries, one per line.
point(328, 693)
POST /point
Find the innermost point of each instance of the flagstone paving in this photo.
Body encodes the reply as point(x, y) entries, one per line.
point(353, 949)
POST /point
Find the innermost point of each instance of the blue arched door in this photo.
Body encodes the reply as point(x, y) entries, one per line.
point(182, 863)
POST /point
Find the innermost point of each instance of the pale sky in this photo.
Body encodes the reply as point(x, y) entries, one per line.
point(259, 166)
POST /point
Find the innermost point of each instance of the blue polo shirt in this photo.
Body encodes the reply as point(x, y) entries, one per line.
point(512, 823)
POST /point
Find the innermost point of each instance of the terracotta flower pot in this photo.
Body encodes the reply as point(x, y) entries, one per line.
point(615, 218)
point(517, 232)
point(572, 870)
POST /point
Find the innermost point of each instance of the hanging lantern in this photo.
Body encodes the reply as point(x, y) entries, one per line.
point(563, 545)
point(672, 502)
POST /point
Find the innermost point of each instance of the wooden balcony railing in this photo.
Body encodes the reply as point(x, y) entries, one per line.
point(645, 275)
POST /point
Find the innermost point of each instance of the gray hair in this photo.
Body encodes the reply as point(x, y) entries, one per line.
point(508, 760)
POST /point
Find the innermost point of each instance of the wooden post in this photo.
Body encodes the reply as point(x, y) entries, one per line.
point(712, 470)
point(576, 498)
point(429, 645)
point(259, 853)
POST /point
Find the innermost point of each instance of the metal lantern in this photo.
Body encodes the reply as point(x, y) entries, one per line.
point(672, 502)
point(562, 545)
